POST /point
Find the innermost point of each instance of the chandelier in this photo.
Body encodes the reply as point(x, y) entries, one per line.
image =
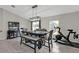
point(34, 13)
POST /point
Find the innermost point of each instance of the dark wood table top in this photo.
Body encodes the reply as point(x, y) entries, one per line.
point(38, 33)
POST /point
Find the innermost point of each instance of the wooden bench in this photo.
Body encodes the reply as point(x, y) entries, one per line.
point(29, 39)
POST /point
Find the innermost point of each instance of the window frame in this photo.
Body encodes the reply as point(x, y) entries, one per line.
point(36, 21)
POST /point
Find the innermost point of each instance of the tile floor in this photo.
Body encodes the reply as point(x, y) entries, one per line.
point(13, 46)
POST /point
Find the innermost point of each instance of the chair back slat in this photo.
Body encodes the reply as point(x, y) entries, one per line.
point(50, 35)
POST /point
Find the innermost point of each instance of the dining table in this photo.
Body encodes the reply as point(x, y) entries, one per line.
point(33, 37)
point(36, 33)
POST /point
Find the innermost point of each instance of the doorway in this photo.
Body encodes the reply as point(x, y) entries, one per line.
point(52, 25)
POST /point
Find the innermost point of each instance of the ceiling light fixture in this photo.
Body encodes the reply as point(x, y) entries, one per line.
point(34, 13)
point(13, 6)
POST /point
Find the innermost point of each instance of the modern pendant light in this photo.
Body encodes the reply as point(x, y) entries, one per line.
point(13, 6)
point(34, 13)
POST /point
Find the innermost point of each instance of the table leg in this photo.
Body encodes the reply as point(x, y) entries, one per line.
point(49, 45)
point(21, 41)
point(35, 47)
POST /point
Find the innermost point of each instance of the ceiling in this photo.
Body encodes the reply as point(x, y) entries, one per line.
point(42, 10)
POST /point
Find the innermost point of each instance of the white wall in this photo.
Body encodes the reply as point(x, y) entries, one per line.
point(1, 23)
point(66, 21)
point(5, 17)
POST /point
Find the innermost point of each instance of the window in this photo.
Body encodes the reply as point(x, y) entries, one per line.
point(35, 25)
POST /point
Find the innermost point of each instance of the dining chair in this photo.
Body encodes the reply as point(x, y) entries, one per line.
point(21, 35)
point(43, 29)
point(48, 40)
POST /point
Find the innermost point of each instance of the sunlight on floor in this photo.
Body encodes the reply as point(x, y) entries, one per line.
point(55, 48)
